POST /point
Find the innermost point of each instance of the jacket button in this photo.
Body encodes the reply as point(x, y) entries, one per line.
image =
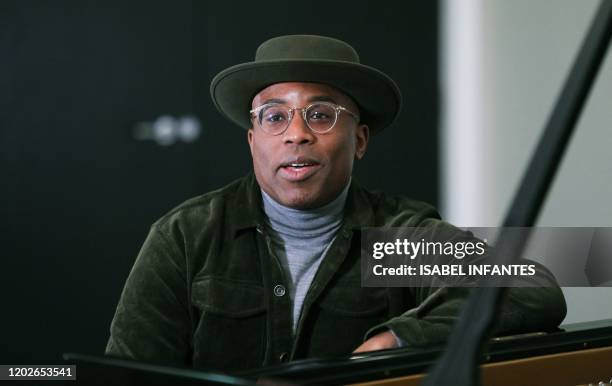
point(279, 290)
point(283, 357)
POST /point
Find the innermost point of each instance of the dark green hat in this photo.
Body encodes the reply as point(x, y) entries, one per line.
point(307, 58)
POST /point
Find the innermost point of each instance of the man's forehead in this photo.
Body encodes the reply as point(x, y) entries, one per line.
point(313, 98)
point(310, 92)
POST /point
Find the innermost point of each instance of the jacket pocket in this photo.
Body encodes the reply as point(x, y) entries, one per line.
point(344, 315)
point(355, 302)
point(231, 331)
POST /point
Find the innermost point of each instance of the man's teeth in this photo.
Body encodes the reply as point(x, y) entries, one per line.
point(298, 165)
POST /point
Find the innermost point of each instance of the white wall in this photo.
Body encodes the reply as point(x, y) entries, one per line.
point(503, 65)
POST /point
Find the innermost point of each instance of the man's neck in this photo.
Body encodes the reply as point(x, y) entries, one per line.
point(304, 222)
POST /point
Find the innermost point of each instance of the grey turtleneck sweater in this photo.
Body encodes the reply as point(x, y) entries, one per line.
point(300, 239)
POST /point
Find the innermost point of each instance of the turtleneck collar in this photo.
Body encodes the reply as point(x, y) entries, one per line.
point(290, 222)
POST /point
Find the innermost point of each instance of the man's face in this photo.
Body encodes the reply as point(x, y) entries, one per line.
point(329, 157)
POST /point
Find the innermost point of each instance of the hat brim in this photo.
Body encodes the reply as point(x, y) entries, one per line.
point(377, 95)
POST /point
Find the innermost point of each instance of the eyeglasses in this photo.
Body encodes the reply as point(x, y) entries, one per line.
point(320, 117)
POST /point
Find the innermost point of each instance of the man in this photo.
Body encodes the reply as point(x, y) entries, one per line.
point(267, 269)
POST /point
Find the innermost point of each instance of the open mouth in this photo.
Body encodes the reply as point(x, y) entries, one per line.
point(298, 166)
point(297, 170)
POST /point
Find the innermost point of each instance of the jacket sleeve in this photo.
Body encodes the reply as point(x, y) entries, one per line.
point(152, 322)
point(535, 305)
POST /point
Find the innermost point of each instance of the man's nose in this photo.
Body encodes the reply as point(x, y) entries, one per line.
point(298, 131)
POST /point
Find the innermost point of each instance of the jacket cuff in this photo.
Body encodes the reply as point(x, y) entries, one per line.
point(413, 332)
point(399, 342)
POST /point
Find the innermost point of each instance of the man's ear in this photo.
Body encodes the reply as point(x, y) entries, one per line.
point(250, 139)
point(362, 135)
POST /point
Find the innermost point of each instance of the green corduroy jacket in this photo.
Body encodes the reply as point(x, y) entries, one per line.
point(206, 290)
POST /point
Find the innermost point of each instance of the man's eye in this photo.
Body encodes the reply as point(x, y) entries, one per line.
point(318, 115)
point(273, 118)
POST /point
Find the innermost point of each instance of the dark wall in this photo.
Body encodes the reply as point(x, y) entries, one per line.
point(79, 192)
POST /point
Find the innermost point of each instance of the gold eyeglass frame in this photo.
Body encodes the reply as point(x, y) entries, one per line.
point(256, 114)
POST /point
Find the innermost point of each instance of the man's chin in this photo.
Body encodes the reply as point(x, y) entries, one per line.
point(300, 199)
point(301, 203)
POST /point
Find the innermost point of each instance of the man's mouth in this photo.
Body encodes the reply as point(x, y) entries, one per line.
point(298, 170)
point(296, 165)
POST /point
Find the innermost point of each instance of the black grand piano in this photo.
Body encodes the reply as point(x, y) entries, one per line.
point(576, 354)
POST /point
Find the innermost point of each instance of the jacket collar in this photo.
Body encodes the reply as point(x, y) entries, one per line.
point(358, 212)
point(249, 213)
point(248, 209)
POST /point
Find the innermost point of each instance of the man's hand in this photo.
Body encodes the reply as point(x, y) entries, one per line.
point(382, 341)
